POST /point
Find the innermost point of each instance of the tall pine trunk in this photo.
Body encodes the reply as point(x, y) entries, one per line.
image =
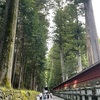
point(91, 30)
point(79, 61)
point(34, 82)
point(79, 49)
point(20, 77)
point(9, 41)
point(31, 77)
point(15, 62)
point(31, 81)
point(21, 61)
point(89, 50)
point(14, 67)
point(62, 64)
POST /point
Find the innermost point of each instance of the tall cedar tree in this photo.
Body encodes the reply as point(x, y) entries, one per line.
point(9, 32)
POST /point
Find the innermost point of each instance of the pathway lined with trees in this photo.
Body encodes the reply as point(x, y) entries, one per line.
point(23, 42)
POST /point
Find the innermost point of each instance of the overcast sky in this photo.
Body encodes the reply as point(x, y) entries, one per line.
point(96, 7)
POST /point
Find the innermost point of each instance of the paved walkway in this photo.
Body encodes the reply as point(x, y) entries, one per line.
point(55, 98)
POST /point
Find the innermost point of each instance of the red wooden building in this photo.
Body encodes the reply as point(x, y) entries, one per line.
point(88, 77)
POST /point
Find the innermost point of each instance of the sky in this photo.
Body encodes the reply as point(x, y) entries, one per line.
point(96, 8)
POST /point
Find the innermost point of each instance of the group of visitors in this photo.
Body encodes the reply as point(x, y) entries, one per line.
point(44, 96)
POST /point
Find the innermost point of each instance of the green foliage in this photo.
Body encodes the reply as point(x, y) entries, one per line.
point(6, 83)
point(99, 40)
point(69, 32)
point(31, 43)
point(70, 36)
point(53, 72)
point(30, 46)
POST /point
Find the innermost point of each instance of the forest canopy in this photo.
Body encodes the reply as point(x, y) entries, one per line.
point(24, 32)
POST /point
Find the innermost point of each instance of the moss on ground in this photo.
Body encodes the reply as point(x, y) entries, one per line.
point(29, 95)
point(22, 94)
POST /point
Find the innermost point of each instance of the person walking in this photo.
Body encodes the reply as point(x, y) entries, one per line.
point(50, 95)
point(41, 96)
point(44, 96)
point(38, 97)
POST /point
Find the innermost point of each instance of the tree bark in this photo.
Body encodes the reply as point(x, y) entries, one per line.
point(9, 40)
point(22, 60)
point(89, 50)
point(14, 67)
point(34, 82)
point(62, 64)
point(31, 81)
point(79, 61)
point(91, 30)
point(20, 77)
